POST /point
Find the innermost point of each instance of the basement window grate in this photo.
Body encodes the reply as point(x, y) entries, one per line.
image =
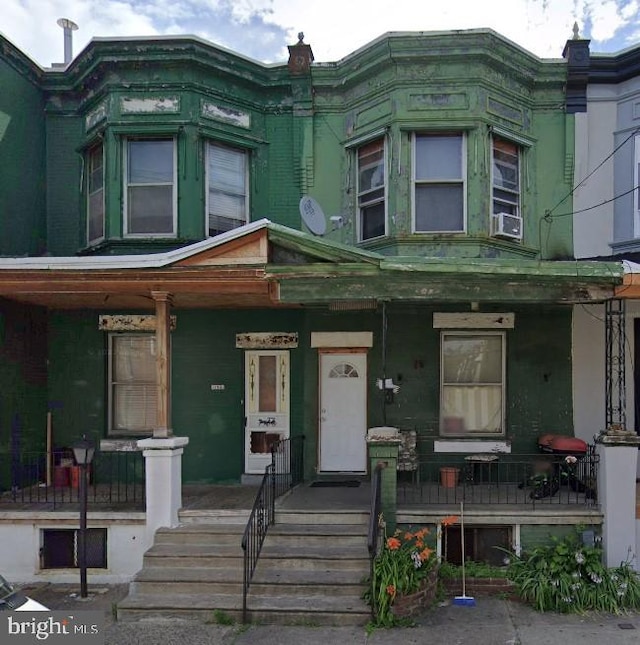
point(60, 549)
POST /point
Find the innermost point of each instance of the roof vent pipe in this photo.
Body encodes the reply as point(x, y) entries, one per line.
point(69, 26)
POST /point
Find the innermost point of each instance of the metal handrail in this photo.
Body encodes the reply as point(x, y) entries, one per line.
point(374, 529)
point(283, 473)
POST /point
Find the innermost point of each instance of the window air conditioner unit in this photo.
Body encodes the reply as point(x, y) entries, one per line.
point(506, 225)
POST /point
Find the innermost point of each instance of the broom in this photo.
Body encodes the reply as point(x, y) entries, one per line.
point(463, 600)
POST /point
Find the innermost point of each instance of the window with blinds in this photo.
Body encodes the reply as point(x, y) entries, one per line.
point(506, 177)
point(95, 194)
point(227, 196)
point(132, 383)
point(371, 190)
point(472, 383)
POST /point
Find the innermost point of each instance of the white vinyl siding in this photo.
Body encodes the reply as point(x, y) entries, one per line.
point(636, 185)
point(132, 383)
point(227, 188)
point(439, 183)
point(372, 190)
point(472, 376)
point(150, 196)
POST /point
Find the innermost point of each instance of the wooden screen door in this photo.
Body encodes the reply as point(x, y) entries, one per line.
point(266, 405)
point(343, 412)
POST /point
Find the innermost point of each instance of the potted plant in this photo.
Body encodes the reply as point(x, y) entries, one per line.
point(404, 577)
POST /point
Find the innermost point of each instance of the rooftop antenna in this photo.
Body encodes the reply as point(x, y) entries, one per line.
point(68, 26)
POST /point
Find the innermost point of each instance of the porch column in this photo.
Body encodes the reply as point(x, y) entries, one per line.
point(384, 449)
point(617, 493)
point(163, 364)
point(163, 479)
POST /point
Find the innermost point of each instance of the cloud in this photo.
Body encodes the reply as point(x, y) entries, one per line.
point(262, 28)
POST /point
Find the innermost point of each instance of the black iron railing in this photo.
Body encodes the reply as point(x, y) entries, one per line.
point(114, 478)
point(535, 479)
point(285, 471)
point(373, 533)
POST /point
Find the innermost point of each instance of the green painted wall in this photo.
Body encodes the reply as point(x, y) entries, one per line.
point(23, 382)
point(22, 163)
point(533, 535)
point(204, 353)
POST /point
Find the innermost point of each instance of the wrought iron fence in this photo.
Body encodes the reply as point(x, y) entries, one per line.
point(285, 471)
point(536, 479)
point(114, 478)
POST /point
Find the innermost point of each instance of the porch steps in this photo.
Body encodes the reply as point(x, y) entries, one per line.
point(309, 573)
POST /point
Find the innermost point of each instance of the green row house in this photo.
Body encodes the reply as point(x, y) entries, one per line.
point(196, 246)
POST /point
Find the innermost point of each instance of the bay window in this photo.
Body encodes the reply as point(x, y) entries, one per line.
point(227, 188)
point(439, 183)
point(372, 219)
point(505, 182)
point(95, 194)
point(150, 195)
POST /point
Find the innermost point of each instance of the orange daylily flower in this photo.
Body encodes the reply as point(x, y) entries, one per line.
point(419, 544)
point(425, 554)
point(393, 543)
point(391, 590)
point(409, 536)
point(449, 520)
point(422, 532)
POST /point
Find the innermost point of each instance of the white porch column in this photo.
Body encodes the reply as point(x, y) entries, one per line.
point(617, 493)
point(163, 477)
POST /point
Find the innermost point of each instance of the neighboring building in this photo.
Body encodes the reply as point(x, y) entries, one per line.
point(606, 226)
point(140, 175)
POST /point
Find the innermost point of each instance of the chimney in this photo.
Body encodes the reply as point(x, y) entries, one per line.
point(300, 57)
point(68, 26)
point(576, 52)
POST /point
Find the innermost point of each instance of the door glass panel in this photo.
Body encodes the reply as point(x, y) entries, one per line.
point(268, 383)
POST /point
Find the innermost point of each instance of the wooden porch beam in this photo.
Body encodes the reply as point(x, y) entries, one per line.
point(163, 301)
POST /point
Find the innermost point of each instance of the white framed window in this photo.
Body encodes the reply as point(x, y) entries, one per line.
point(95, 194)
point(150, 197)
point(132, 383)
point(472, 383)
point(372, 190)
point(636, 185)
point(227, 188)
point(439, 183)
point(505, 177)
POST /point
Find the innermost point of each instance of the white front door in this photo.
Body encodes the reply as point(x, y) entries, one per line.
point(266, 406)
point(343, 412)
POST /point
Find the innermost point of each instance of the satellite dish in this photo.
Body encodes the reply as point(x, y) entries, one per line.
point(313, 216)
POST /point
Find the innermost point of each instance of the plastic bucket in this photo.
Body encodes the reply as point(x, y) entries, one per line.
point(60, 476)
point(449, 477)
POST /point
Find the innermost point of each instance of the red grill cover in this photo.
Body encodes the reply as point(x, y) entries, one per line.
point(562, 444)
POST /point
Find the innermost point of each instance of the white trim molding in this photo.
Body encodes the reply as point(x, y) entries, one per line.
point(470, 320)
point(341, 339)
point(471, 446)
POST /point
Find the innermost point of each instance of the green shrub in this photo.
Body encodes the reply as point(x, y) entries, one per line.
point(567, 576)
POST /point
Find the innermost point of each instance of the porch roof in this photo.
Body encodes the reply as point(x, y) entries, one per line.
point(264, 264)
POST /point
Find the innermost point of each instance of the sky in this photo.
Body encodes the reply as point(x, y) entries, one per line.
point(261, 29)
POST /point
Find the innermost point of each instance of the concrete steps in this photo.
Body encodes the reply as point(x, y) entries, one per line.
point(309, 572)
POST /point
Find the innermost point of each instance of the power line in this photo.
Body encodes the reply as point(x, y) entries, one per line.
point(570, 193)
point(548, 216)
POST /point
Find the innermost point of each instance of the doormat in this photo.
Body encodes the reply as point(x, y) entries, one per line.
point(346, 483)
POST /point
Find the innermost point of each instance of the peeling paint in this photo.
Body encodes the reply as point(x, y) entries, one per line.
point(436, 101)
point(267, 340)
point(130, 323)
point(135, 105)
point(95, 116)
point(225, 114)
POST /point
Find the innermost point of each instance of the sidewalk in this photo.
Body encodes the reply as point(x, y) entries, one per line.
point(492, 621)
